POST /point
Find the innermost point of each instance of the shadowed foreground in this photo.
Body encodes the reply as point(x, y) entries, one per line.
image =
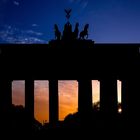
point(84, 61)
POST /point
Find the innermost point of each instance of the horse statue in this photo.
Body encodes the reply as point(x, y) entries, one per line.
point(84, 32)
point(76, 31)
point(57, 32)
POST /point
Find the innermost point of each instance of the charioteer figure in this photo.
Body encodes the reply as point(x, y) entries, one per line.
point(68, 34)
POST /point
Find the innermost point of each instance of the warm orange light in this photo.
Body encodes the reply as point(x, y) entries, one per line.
point(68, 97)
point(120, 110)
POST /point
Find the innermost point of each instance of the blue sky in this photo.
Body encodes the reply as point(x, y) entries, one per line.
point(32, 21)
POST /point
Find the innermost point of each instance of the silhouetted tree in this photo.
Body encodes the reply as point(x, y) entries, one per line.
point(19, 121)
point(96, 106)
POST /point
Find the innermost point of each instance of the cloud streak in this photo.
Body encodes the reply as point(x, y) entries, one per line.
point(78, 1)
point(16, 3)
point(9, 34)
point(34, 25)
point(85, 4)
point(82, 3)
point(68, 98)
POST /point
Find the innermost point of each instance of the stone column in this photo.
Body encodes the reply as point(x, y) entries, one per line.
point(53, 101)
point(6, 95)
point(108, 96)
point(130, 97)
point(84, 96)
point(125, 96)
point(5, 104)
point(29, 98)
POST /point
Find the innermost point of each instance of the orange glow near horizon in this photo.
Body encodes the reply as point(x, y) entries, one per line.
point(95, 91)
point(41, 101)
point(18, 96)
point(119, 85)
point(68, 97)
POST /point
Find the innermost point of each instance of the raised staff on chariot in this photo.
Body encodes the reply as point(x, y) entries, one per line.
point(68, 34)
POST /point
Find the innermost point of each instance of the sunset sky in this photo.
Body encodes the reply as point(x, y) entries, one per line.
point(68, 97)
